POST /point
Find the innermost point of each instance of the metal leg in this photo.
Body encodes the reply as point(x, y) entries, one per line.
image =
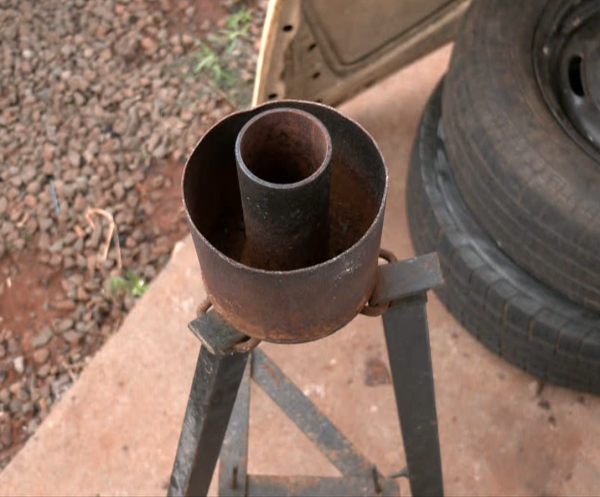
point(219, 372)
point(233, 468)
point(307, 416)
point(360, 477)
point(407, 337)
point(214, 389)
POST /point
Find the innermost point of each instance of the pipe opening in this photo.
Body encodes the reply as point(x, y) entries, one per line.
point(284, 146)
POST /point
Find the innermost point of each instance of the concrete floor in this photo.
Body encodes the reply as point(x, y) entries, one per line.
point(115, 432)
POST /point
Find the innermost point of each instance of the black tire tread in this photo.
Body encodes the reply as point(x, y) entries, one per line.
point(532, 189)
point(509, 311)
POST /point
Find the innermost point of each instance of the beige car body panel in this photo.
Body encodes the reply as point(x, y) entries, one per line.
point(329, 50)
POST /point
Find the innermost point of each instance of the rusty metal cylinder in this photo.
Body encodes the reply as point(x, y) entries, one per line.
point(280, 305)
point(283, 161)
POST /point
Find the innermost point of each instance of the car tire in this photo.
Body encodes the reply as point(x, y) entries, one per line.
point(531, 187)
point(510, 312)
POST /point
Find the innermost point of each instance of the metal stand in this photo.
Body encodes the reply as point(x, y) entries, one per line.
point(401, 295)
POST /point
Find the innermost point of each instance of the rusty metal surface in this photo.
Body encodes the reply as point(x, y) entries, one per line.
point(360, 476)
point(407, 278)
point(409, 351)
point(306, 303)
point(283, 161)
point(233, 461)
point(215, 333)
point(375, 310)
point(214, 389)
point(320, 486)
point(218, 378)
point(328, 51)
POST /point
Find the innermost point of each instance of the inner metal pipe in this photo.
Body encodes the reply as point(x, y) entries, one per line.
point(283, 159)
point(287, 306)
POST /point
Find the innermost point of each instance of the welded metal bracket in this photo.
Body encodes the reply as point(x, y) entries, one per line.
point(360, 476)
point(219, 376)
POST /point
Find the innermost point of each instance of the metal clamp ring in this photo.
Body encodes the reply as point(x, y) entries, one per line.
point(203, 307)
point(245, 345)
point(378, 310)
point(387, 255)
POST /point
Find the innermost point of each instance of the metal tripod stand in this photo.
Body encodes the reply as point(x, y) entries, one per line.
point(400, 298)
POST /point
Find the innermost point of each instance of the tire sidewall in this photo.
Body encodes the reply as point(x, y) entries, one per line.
point(518, 171)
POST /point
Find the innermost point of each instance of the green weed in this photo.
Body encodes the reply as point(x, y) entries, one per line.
point(236, 26)
point(215, 60)
point(132, 284)
point(207, 61)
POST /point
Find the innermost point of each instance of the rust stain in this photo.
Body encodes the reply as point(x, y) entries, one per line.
point(376, 373)
point(272, 374)
point(215, 208)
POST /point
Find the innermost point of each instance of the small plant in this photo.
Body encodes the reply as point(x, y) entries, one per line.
point(236, 25)
point(132, 284)
point(207, 61)
point(215, 61)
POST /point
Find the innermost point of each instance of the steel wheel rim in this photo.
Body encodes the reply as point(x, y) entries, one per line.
point(566, 61)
